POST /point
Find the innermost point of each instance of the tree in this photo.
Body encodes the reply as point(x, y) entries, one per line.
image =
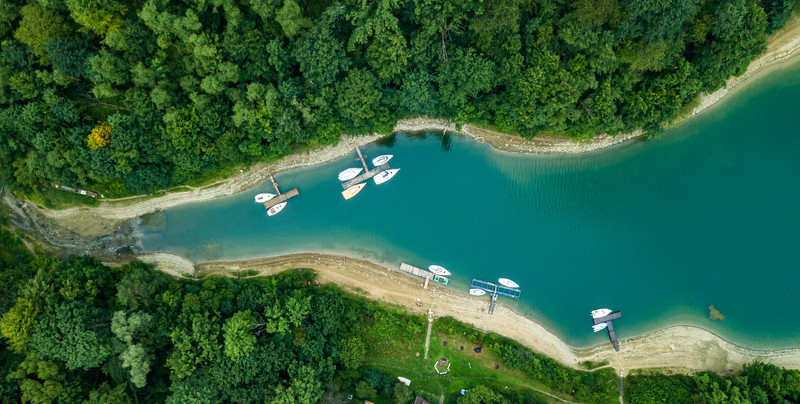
point(18, 324)
point(72, 333)
point(67, 56)
point(38, 27)
point(320, 55)
point(239, 338)
point(138, 287)
point(138, 360)
point(359, 102)
point(480, 394)
point(290, 16)
point(99, 16)
point(100, 136)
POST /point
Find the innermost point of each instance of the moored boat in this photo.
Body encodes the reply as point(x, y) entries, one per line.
point(600, 313)
point(385, 176)
point(508, 283)
point(599, 327)
point(353, 191)
point(382, 159)
point(477, 292)
point(261, 198)
point(350, 173)
point(276, 209)
point(439, 270)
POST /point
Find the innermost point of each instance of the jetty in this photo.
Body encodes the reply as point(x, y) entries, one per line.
point(422, 273)
point(279, 197)
point(367, 172)
point(495, 290)
point(610, 326)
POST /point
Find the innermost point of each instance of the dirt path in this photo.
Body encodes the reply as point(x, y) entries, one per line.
point(675, 349)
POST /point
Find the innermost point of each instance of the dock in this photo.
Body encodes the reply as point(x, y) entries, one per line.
point(367, 172)
point(423, 273)
point(495, 290)
point(610, 327)
point(280, 197)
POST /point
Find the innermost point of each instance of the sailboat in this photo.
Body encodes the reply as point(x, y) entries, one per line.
point(386, 175)
point(508, 283)
point(353, 191)
point(261, 198)
point(349, 174)
point(382, 159)
point(439, 270)
point(599, 327)
point(599, 313)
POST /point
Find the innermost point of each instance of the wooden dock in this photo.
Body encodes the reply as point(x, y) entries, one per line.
point(279, 198)
point(610, 327)
point(367, 172)
point(416, 271)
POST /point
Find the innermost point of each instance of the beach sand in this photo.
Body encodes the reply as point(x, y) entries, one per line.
point(677, 349)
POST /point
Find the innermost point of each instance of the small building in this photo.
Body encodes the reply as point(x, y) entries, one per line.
point(420, 400)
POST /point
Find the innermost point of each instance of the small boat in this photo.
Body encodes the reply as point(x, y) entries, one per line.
point(276, 209)
point(599, 327)
point(261, 198)
point(385, 176)
point(438, 270)
point(350, 173)
point(477, 292)
point(600, 313)
point(382, 159)
point(353, 191)
point(508, 283)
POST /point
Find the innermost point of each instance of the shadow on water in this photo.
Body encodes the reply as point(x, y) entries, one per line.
point(446, 139)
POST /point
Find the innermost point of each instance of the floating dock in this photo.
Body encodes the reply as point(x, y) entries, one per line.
point(279, 196)
point(610, 326)
point(367, 172)
point(494, 290)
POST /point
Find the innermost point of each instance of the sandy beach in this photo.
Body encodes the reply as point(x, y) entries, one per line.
point(678, 348)
point(682, 349)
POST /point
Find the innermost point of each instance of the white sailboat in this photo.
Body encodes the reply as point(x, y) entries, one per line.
point(385, 176)
point(477, 292)
point(350, 173)
point(599, 327)
point(382, 159)
point(353, 191)
point(439, 270)
point(600, 313)
point(276, 209)
point(508, 283)
point(261, 198)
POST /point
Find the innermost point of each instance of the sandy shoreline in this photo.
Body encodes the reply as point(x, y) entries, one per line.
point(673, 349)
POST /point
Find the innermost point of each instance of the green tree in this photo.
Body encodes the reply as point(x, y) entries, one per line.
point(18, 324)
point(291, 19)
point(321, 56)
point(480, 394)
point(73, 333)
point(238, 334)
point(138, 360)
point(38, 27)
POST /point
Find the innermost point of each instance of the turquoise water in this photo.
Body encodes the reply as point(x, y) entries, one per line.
point(707, 215)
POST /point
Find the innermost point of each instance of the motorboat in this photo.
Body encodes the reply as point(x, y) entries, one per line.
point(439, 270)
point(261, 198)
point(477, 292)
point(350, 173)
point(276, 209)
point(353, 191)
point(382, 159)
point(508, 283)
point(599, 327)
point(599, 313)
point(386, 175)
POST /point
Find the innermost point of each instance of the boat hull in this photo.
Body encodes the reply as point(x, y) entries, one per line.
point(477, 292)
point(353, 191)
point(382, 159)
point(600, 313)
point(508, 283)
point(599, 327)
point(261, 198)
point(385, 176)
point(276, 209)
point(349, 174)
point(439, 270)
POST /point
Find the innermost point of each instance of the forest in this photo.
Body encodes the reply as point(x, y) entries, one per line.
point(127, 97)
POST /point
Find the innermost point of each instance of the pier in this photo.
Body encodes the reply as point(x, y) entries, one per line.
point(367, 172)
point(279, 197)
point(494, 291)
point(423, 273)
point(610, 327)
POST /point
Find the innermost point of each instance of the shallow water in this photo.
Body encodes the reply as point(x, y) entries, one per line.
point(660, 229)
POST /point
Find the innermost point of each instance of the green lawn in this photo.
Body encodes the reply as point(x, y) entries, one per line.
point(467, 368)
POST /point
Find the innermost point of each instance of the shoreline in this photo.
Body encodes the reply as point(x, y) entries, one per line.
point(675, 348)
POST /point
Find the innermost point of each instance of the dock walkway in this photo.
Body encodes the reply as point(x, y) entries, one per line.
point(280, 197)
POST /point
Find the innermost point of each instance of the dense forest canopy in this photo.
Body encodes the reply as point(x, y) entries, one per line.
point(131, 96)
